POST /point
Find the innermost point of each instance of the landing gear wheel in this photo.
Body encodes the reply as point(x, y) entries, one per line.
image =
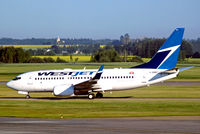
point(28, 97)
point(90, 96)
point(99, 95)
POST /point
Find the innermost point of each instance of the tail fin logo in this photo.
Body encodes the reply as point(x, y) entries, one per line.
point(167, 55)
point(171, 51)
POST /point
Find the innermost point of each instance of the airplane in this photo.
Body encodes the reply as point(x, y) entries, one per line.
point(70, 82)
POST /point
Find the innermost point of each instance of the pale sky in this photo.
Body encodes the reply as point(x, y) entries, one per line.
point(98, 19)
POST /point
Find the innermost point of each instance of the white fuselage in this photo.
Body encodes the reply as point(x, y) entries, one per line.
point(111, 79)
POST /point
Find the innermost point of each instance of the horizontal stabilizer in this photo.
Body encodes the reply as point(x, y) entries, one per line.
point(185, 68)
point(170, 71)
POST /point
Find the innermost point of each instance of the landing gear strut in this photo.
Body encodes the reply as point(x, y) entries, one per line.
point(99, 95)
point(90, 96)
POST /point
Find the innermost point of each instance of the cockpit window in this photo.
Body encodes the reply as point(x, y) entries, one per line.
point(17, 78)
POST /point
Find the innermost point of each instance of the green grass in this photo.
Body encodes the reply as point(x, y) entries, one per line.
point(45, 105)
point(97, 108)
point(9, 71)
point(193, 61)
point(153, 91)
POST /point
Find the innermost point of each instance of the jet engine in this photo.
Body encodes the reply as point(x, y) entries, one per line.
point(63, 90)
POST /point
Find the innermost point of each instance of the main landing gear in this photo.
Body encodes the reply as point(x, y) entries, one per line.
point(28, 96)
point(92, 96)
point(99, 95)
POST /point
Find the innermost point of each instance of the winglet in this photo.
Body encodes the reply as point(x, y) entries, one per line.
point(99, 72)
point(101, 68)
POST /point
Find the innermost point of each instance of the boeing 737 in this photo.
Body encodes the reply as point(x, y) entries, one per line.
point(70, 82)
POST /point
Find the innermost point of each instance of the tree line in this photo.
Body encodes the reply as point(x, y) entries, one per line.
point(124, 40)
point(52, 41)
point(148, 47)
point(145, 48)
point(19, 55)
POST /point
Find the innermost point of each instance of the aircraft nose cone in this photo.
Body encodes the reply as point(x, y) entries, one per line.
point(9, 84)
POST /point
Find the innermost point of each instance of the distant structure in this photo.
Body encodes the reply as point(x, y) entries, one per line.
point(58, 40)
point(125, 40)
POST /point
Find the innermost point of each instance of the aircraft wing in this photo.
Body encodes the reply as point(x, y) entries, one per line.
point(89, 84)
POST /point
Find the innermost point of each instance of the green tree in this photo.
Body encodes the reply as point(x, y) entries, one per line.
point(59, 60)
point(106, 55)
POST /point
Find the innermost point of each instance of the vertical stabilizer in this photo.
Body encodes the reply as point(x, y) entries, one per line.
point(167, 55)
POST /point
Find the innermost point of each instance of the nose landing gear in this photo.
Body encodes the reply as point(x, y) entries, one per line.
point(25, 93)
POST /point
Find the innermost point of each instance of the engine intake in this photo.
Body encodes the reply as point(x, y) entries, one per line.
point(63, 90)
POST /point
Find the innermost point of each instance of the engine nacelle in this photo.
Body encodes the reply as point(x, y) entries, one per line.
point(63, 90)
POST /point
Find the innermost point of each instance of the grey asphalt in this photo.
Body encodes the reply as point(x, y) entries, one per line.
point(3, 82)
point(139, 125)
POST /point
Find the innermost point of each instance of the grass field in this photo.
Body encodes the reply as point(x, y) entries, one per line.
point(117, 104)
point(9, 71)
point(194, 61)
point(153, 91)
point(97, 108)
